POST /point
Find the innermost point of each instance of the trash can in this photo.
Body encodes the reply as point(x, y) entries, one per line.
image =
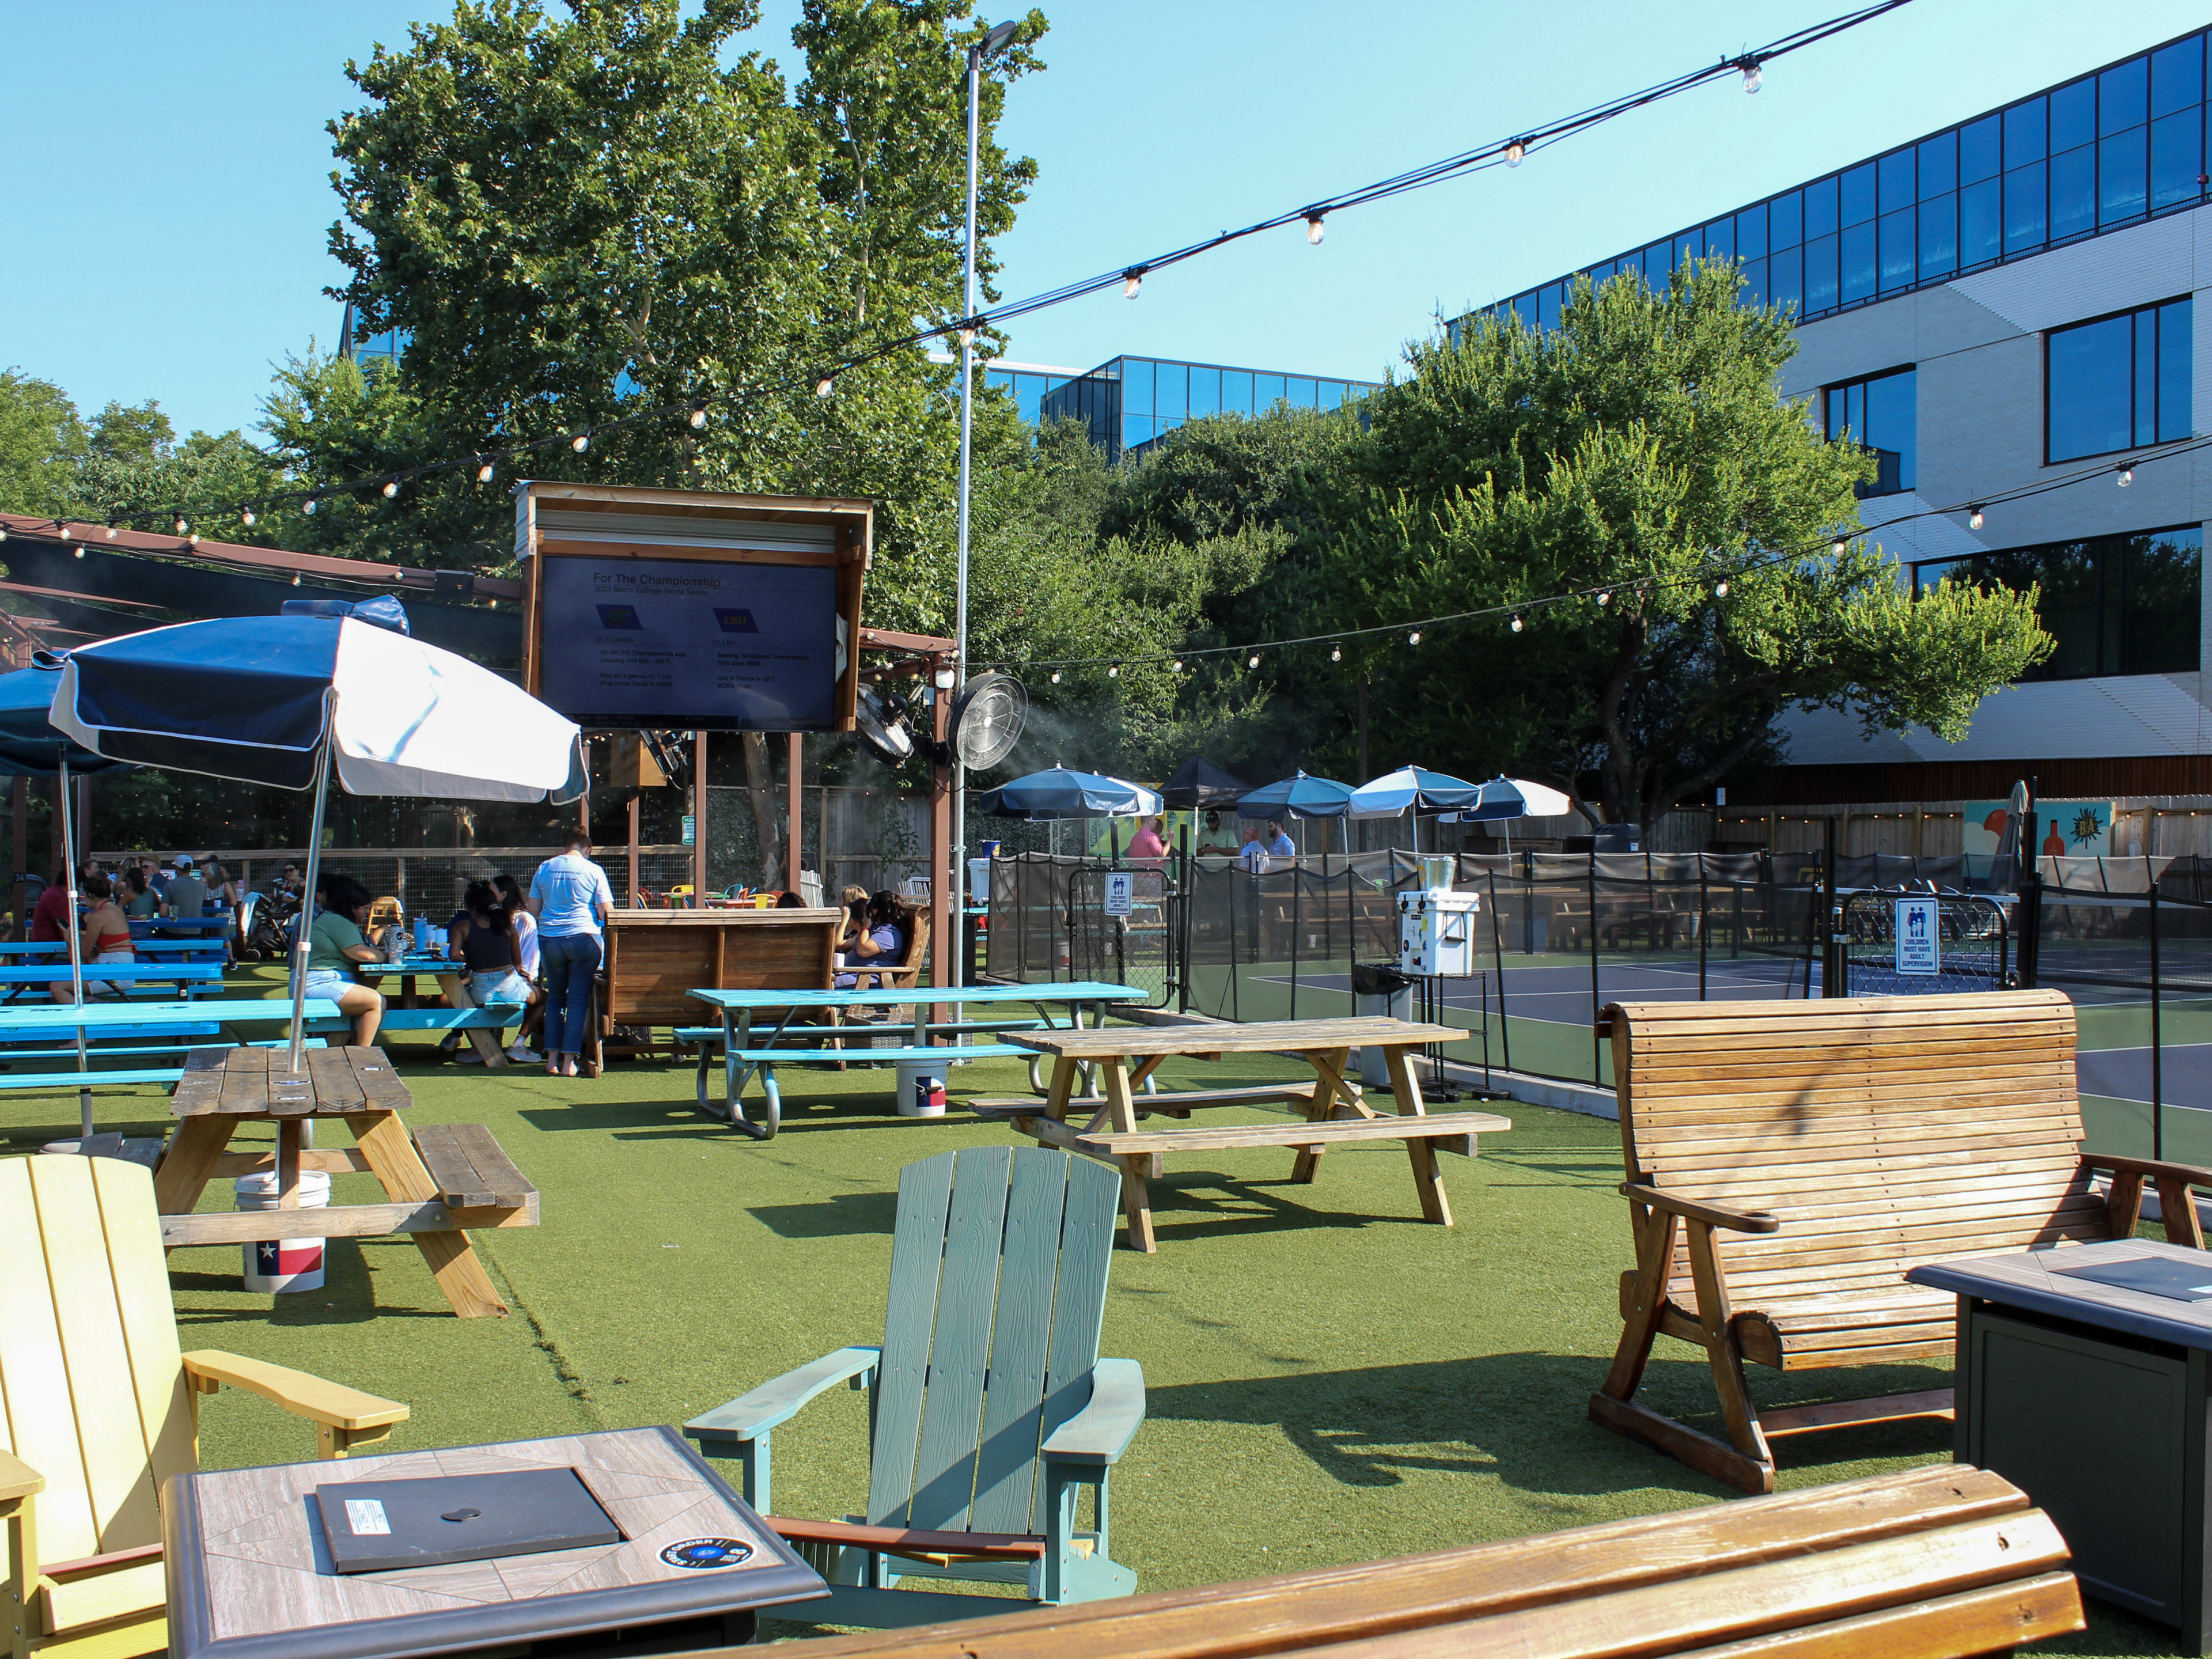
point(286, 1264)
point(921, 1088)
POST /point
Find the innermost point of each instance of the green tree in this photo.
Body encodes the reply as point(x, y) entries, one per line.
point(41, 439)
point(1640, 457)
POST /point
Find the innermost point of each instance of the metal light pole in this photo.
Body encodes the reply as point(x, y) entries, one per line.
point(992, 40)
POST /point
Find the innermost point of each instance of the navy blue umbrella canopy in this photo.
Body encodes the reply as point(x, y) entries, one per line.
point(1060, 793)
point(1301, 796)
point(30, 747)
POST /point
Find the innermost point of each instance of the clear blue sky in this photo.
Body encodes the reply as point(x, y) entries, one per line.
point(164, 198)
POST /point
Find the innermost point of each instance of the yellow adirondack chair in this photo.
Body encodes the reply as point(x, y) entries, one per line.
point(98, 1407)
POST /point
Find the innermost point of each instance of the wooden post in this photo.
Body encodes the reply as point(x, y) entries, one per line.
point(698, 820)
point(630, 899)
point(795, 754)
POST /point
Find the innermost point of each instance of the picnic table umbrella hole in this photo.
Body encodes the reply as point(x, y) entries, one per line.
point(30, 747)
point(282, 701)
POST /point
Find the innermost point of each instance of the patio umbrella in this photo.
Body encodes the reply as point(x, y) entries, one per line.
point(1412, 789)
point(31, 748)
point(1504, 798)
point(1301, 796)
point(278, 701)
point(1199, 783)
point(1060, 793)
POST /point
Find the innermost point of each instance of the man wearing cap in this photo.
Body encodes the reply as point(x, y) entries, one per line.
point(186, 897)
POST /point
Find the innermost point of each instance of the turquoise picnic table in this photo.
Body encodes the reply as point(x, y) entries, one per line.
point(742, 1058)
point(483, 1024)
point(182, 974)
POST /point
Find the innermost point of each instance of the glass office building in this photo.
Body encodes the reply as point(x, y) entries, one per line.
point(1131, 402)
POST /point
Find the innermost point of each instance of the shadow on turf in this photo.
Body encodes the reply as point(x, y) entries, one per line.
point(347, 1296)
point(1520, 1417)
point(656, 1120)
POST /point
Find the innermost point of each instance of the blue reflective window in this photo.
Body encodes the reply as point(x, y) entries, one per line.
point(1236, 391)
point(1939, 165)
point(2118, 383)
point(1820, 289)
point(1856, 259)
point(1785, 280)
point(1751, 233)
point(1786, 220)
point(2025, 127)
point(2023, 208)
point(1981, 150)
point(2121, 186)
point(1332, 393)
point(1856, 189)
point(2123, 97)
point(2073, 115)
point(2176, 76)
point(1137, 386)
point(1524, 307)
point(1881, 414)
point(1686, 247)
point(1820, 209)
point(2073, 192)
point(1299, 392)
point(1267, 391)
point(1171, 389)
point(1939, 237)
point(1655, 267)
point(1754, 282)
point(1981, 224)
point(1897, 270)
point(1205, 392)
point(1895, 172)
point(1719, 241)
point(1548, 301)
point(2177, 157)
point(1136, 429)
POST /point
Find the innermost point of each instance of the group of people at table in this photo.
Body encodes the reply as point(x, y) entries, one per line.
point(1260, 847)
point(139, 889)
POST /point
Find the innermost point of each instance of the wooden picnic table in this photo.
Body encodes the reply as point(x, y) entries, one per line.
point(1334, 1109)
point(440, 1181)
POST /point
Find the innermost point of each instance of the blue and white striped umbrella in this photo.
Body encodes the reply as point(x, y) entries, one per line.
point(1060, 793)
point(1413, 788)
point(1301, 796)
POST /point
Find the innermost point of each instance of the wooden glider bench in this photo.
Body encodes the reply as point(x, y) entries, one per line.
point(1927, 1564)
point(1841, 1143)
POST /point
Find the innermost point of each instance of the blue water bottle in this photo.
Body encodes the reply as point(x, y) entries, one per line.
point(422, 935)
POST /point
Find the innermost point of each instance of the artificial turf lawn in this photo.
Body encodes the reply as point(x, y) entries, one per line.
point(1329, 1379)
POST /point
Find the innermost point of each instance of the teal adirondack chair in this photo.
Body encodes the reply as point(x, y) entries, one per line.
point(990, 1408)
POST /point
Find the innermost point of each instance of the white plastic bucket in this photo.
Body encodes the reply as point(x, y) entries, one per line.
point(928, 1101)
point(288, 1264)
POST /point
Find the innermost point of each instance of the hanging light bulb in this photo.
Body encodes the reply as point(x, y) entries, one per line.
point(1514, 152)
point(1252, 661)
point(3, 532)
point(1314, 229)
point(295, 579)
point(194, 538)
point(246, 518)
point(699, 417)
point(65, 532)
point(181, 526)
point(2127, 475)
point(391, 488)
point(1336, 653)
point(1178, 664)
point(1973, 518)
point(824, 386)
point(111, 532)
point(1516, 624)
point(1413, 638)
point(1720, 589)
point(1605, 597)
point(1055, 677)
point(1750, 74)
point(309, 506)
point(1133, 281)
point(580, 442)
point(1114, 673)
point(1837, 547)
point(77, 552)
point(967, 337)
point(484, 473)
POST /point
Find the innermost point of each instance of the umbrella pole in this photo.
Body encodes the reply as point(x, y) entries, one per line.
point(307, 900)
point(71, 932)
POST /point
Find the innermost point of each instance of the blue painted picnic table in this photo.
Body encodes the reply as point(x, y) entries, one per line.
point(168, 1024)
point(182, 974)
point(21, 1019)
point(742, 1057)
point(483, 1026)
point(181, 945)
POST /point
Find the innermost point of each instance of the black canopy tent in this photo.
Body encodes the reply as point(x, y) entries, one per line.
point(1199, 783)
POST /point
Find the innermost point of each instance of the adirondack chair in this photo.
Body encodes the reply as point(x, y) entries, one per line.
point(98, 1407)
point(989, 1407)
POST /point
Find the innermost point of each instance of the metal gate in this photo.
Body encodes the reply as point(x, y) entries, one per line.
point(1911, 944)
point(1135, 949)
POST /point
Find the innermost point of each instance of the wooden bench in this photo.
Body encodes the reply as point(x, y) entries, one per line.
point(469, 1170)
point(1840, 1144)
point(656, 958)
point(1924, 1565)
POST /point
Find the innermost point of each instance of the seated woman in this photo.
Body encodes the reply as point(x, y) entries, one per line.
point(335, 943)
point(106, 938)
point(853, 927)
point(485, 938)
point(890, 926)
point(139, 902)
point(526, 961)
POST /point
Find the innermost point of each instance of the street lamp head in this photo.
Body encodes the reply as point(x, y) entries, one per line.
point(999, 34)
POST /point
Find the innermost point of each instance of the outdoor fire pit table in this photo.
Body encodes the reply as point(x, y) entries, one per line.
point(1334, 1110)
point(440, 1181)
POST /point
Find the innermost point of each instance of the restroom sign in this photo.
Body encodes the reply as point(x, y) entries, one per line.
point(1917, 951)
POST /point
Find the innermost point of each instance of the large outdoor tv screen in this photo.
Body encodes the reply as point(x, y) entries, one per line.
point(689, 643)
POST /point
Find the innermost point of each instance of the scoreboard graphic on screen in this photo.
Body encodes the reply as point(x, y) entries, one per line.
point(690, 610)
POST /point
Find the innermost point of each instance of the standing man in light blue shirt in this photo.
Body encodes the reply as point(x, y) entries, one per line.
point(570, 898)
point(1279, 845)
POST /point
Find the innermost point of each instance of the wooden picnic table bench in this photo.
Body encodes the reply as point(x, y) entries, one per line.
point(1927, 1564)
point(1841, 1143)
point(1334, 1109)
point(439, 1182)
